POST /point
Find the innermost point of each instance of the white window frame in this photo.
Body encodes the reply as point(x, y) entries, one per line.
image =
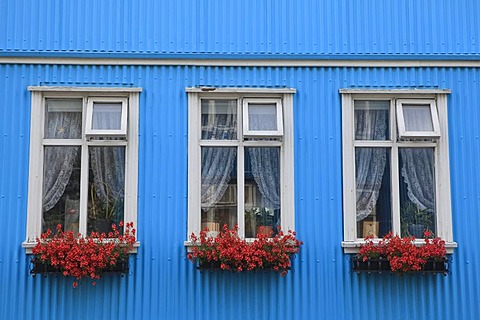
point(265, 133)
point(403, 133)
point(90, 132)
point(37, 144)
point(443, 221)
point(195, 95)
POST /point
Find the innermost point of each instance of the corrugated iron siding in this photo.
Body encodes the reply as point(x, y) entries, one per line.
point(248, 26)
point(162, 283)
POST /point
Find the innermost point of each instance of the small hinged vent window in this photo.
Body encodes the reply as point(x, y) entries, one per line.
point(262, 117)
point(106, 117)
point(417, 118)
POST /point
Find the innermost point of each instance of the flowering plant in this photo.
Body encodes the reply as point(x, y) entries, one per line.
point(402, 253)
point(78, 256)
point(230, 252)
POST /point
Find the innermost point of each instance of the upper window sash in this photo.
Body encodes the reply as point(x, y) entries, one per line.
point(417, 118)
point(262, 117)
point(106, 117)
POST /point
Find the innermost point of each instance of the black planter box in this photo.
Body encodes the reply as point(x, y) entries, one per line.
point(381, 265)
point(39, 267)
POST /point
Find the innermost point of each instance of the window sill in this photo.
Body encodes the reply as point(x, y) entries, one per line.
point(354, 246)
point(28, 246)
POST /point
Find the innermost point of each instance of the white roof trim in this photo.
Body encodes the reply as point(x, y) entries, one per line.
point(83, 89)
point(242, 62)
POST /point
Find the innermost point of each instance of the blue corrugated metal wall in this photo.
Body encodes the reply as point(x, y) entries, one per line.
point(162, 283)
point(247, 26)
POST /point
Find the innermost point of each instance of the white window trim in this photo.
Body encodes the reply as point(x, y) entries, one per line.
point(403, 133)
point(122, 132)
point(257, 133)
point(351, 242)
point(37, 143)
point(194, 152)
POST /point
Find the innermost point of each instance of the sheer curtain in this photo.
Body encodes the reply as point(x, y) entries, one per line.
point(418, 173)
point(59, 161)
point(265, 164)
point(108, 163)
point(217, 162)
point(370, 124)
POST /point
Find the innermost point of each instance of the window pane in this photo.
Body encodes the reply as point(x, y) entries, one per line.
point(218, 188)
point(417, 117)
point(106, 188)
point(63, 119)
point(262, 117)
point(107, 116)
point(219, 119)
point(372, 120)
point(373, 187)
point(262, 191)
point(61, 188)
point(417, 191)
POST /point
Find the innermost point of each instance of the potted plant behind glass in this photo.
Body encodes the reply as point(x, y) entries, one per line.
point(265, 219)
point(414, 222)
point(104, 213)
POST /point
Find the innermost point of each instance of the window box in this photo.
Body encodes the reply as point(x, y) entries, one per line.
point(42, 268)
point(381, 265)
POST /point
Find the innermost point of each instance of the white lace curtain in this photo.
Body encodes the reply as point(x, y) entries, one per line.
point(418, 173)
point(417, 168)
point(217, 162)
point(108, 163)
point(369, 162)
point(265, 164)
point(59, 161)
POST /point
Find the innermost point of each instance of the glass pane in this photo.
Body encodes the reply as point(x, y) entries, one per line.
point(107, 116)
point(63, 119)
point(61, 188)
point(106, 187)
point(417, 191)
point(373, 187)
point(219, 119)
point(262, 117)
point(372, 120)
point(218, 188)
point(417, 117)
point(262, 191)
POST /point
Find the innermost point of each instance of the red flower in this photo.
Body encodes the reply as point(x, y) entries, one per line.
point(234, 253)
point(80, 257)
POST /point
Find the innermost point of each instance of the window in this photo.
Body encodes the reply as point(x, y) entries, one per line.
point(395, 164)
point(240, 161)
point(83, 160)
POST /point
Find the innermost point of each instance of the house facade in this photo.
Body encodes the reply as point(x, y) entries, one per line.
point(330, 117)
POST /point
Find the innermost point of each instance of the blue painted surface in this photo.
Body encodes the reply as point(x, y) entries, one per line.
point(373, 27)
point(162, 283)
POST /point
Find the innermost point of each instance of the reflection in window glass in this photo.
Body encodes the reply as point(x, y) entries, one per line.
point(262, 191)
point(417, 191)
point(106, 188)
point(417, 117)
point(373, 204)
point(63, 119)
point(262, 117)
point(372, 120)
point(218, 188)
point(219, 119)
point(107, 116)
